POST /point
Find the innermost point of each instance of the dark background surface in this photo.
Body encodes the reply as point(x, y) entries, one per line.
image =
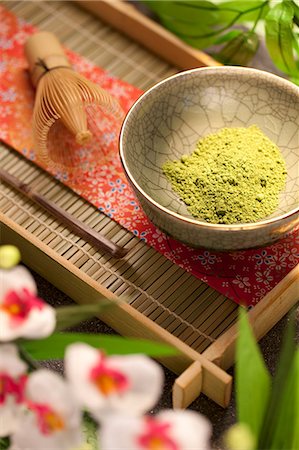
point(220, 418)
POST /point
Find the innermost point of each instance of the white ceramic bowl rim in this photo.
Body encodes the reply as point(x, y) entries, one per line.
point(233, 69)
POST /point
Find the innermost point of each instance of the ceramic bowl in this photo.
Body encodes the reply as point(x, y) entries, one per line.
point(169, 119)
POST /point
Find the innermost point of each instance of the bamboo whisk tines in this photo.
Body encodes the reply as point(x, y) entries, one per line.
point(68, 107)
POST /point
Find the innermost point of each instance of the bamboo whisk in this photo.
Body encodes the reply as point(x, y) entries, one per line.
point(67, 105)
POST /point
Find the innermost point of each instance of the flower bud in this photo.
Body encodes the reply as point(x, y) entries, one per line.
point(239, 437)
point(240, 50)
point(9, 256)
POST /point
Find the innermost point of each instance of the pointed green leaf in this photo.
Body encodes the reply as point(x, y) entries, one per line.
point(54, 346)
point(279, 36)
point(285, 435)
point(278, 388)
point(69, 316)
point(295, 440)
point(252, 378)
point(280, 420)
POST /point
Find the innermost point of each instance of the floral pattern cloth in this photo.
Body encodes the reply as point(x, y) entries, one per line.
point(244, 276)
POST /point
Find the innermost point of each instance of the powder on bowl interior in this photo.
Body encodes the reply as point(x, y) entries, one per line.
point(233, 176)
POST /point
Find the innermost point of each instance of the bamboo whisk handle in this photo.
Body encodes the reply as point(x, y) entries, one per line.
point(43, 52)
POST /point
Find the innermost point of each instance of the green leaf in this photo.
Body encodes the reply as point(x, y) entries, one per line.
point(285, 435)
point(295, 80)
point(200, 22)
point(90, 432)
point(240, 6)
point(228, 36)
point(296, 13)
point(54, 346)
point(252, 378)
point(185, 29)
point(280, 419)
point(196, 37)
point(193, 22)
point(242, 11)
point(279, 36)
point(295, 441)
point(295, 42)
point(240, 50)
point(4, 443)
point(69, 316)
point(196, 13)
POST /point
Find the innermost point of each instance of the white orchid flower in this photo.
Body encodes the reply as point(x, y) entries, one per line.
point(130, 384)
point(169, 430)
point(22, 313)
point(12, 381)
point(53, 418)
point(16, 279)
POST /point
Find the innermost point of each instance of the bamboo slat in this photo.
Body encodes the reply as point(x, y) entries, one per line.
point(124, 318)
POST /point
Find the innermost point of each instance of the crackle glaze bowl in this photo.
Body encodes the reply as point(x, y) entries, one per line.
point(169, 119)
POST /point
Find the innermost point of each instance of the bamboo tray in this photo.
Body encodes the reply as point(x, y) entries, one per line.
point(165, 303)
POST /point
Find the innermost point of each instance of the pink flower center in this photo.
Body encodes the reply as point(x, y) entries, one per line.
point(156, 436)
point(49, 421)
point(108, 380)
point(12, 386)
point(18, 305)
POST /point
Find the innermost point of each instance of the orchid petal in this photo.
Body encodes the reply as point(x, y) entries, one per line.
point(22, 314)
point(10, 362)
point(28, 437)
point(14, 279)
point(183, 430)
point(9, 417)
point(39, 324)
point(191, 430)
point(12, 368)
point(47, 390)
point(120, 432)
point(143, 376)
point(47, 387)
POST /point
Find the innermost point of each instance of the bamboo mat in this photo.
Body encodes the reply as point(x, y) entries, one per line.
point(153, 285)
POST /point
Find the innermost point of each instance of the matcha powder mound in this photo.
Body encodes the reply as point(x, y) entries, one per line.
point(233, 176)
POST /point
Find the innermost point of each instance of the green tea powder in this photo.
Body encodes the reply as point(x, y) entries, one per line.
point(233, 176)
